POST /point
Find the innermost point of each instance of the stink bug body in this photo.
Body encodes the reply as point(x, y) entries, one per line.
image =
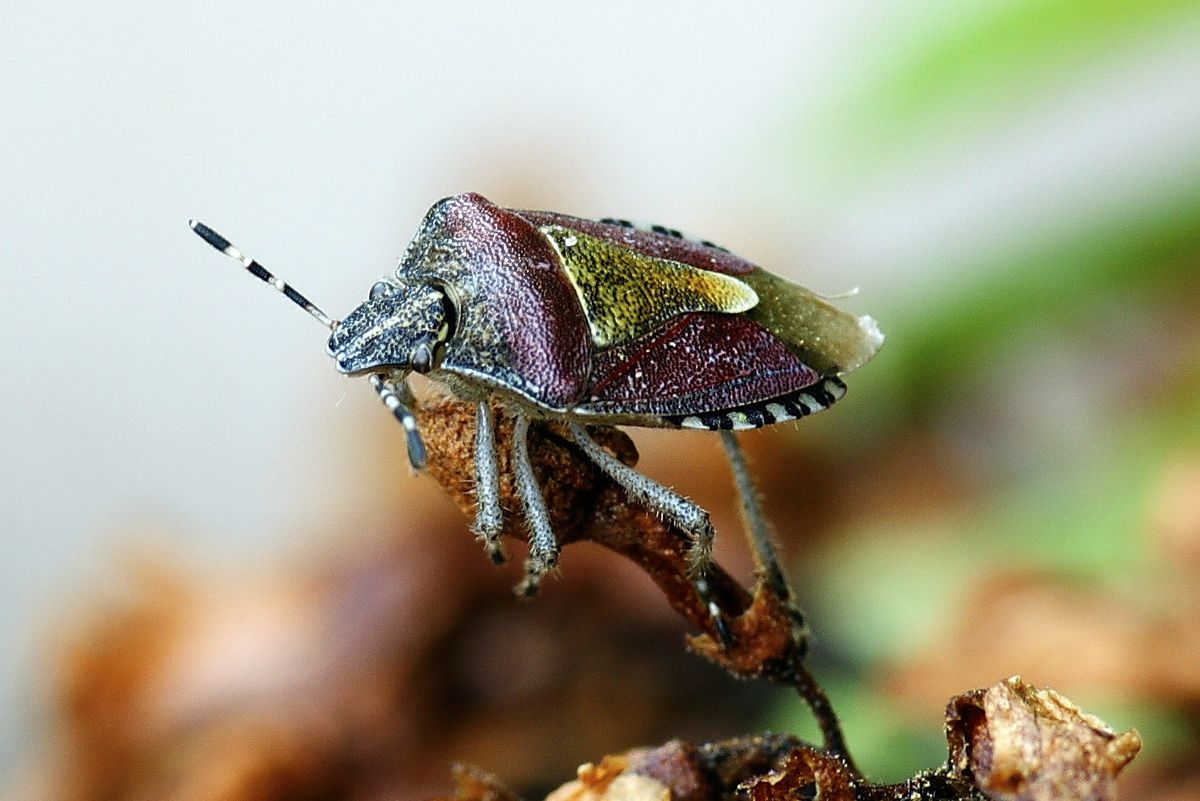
point(591, 323)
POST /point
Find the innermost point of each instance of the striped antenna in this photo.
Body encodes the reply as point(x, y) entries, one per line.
point(261, 273)
point(397, 397)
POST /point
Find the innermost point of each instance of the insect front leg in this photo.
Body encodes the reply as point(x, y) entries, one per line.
point(677, 509)
point(488, 517)
point(398, 398)
point(543, 547)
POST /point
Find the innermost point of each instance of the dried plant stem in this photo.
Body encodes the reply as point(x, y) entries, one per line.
point(797, 675)
point(768, 637)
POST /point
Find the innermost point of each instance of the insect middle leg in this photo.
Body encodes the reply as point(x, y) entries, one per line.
point(488, 518)
point(543, 547)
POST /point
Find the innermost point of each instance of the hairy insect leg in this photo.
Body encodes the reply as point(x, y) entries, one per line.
point(398, 398)
point(543, 547)
point(488, 519)
point(758, 530)
point(677, 509)
point(674, 507)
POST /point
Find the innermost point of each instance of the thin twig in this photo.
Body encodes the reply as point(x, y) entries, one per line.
point(767, 636)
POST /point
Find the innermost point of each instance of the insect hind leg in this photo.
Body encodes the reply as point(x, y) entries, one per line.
point(760, 535)
point(681, 512)
point(758, 530)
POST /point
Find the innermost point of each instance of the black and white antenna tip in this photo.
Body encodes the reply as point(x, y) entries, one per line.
point(216, 240)
point(261, 273)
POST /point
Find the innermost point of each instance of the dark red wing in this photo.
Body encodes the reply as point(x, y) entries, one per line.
point(696, 363)
point(663, 243)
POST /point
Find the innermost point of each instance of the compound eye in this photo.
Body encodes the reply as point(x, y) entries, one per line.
point(449, 316)
point(380, 289)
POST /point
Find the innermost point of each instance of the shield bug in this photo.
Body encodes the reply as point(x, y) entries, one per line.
point(591, 322)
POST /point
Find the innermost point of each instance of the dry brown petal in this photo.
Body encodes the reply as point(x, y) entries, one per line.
point(592, 780)
point(1019, 743)
point(611, 780)
point(674, 765)
point(732, 763)
point(678, 771)
point(806, 773)
point(571, 485)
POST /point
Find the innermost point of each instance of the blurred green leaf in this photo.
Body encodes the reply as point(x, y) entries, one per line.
point(945, 338)
point(887, 586)
point(991, 55)
point(963, 67)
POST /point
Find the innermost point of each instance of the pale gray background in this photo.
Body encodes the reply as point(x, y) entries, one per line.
point(153, 393)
